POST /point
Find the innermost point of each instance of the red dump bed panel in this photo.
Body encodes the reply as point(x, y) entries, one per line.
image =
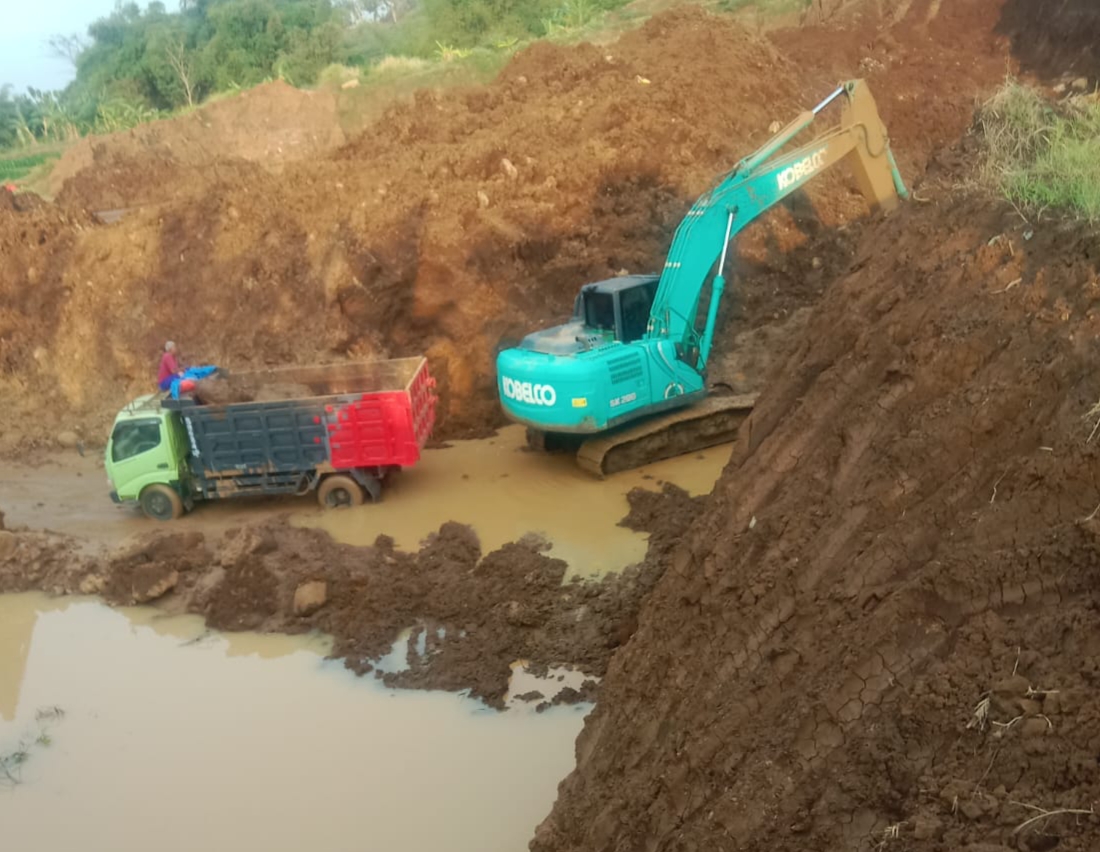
point(382, 428)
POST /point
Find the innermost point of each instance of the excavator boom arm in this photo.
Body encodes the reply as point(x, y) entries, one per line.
point(759, 182)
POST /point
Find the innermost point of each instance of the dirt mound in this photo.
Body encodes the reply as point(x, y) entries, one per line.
point(269, 125)
point(1055, 37)
point(883, 630)
point(226, 390)
point(471, 615)
point(461, 221)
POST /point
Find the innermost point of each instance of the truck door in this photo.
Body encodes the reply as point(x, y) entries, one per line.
point(140, 454)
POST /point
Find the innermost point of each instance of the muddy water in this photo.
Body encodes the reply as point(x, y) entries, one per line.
point(494, 485)
point(178, 739)
point(503, 491)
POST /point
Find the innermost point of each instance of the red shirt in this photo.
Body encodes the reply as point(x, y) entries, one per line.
point(168, 367)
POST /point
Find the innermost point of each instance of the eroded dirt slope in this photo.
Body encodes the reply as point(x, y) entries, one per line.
point(459, 222)
point(269, 125)
point(888, 618)
point(1055, 37)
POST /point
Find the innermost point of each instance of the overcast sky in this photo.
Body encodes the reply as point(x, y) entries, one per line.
point(25, 58)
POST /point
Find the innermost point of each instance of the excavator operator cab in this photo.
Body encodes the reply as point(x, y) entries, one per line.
point(618, 307)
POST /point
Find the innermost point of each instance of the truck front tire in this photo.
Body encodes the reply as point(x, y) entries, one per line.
point(161, 503)
point(339, 490)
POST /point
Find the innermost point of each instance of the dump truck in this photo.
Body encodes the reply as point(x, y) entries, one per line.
point(337, 430)
point(624, 381)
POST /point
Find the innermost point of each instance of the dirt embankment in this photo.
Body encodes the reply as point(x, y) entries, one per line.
point(459, 222)
point(478, 613)
point(269, 126)
point(1056, 37)
point(883, 633)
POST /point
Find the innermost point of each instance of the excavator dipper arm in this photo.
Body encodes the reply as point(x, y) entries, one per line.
point(758, 183)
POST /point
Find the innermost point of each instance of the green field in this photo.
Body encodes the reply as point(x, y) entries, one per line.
point(17, 167)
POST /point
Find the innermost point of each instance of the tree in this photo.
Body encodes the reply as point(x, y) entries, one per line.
point(180, 61)
point(67, 47)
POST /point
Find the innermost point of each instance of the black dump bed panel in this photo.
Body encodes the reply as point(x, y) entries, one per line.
point(280, 427)
point(258, 436)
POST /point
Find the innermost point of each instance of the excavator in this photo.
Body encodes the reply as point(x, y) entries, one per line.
point(624, 381)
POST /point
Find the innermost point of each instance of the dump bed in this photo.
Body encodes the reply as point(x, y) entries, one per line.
point(373, 414)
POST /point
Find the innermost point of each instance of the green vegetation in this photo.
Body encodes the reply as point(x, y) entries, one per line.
point(17, 166)
point(768, 7)
point(1043, 155)
point(138, 63)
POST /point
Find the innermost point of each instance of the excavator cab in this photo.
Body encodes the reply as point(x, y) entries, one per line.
point(617, 308)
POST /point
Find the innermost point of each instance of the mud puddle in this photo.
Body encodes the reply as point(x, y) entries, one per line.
point(68, 493)
point(252, 742)
point(504, 492)
point(494, 485)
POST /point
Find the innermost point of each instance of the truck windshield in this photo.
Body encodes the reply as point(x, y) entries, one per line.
point(133, 438)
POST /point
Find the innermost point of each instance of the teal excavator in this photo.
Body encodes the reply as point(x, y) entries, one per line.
point(625, 380)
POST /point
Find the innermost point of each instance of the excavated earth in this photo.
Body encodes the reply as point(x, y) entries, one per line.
point(880, 632)
point(458, 222)
point(885, 631)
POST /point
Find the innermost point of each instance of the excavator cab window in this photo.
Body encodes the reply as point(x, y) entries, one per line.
point(634, 306)
point(599, 310)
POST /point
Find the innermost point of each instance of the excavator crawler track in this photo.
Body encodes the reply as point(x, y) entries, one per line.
point(713, 421)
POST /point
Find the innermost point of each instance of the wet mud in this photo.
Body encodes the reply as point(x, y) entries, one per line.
point(477, 612)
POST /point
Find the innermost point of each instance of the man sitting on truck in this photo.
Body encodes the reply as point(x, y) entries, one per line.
point(170, 370)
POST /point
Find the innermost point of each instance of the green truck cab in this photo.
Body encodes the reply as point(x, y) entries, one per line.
point(146, 458)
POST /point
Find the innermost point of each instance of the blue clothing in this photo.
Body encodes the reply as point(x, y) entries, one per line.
point(191, 374)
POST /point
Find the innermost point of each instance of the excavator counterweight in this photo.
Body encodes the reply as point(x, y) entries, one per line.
point(628, 373)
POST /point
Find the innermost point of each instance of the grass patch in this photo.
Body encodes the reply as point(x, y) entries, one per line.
point(1041, 154)
point(394, 79)
point(17, 166)
point(766, 7)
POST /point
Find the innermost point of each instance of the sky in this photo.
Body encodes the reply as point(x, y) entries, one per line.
point(25, 58)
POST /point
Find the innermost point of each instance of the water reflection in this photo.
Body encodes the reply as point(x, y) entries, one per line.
point(273, 748)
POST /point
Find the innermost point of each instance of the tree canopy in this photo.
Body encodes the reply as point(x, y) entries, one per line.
point(137, 62)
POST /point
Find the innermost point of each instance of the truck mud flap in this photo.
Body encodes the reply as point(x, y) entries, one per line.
point(371, 484)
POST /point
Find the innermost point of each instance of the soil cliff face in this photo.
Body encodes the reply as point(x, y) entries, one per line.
point(1055, 37)
point(455, 224)
point(885, 627)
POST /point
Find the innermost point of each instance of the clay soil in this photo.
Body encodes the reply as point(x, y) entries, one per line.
point(456, 223)
point(880, 632)
point(886, 625)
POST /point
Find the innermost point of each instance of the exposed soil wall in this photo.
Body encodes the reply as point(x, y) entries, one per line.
point(459, 222)
point(1055, 37)
point(270, 125)
point(884, 628)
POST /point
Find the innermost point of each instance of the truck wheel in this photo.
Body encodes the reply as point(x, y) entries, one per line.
point(337, 491)
point(161, 503)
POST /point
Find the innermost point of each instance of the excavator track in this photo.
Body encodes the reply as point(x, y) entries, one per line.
point(713, 421)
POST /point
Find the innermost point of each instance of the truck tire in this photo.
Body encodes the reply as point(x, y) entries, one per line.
point(337, 491)
point(161, 503)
